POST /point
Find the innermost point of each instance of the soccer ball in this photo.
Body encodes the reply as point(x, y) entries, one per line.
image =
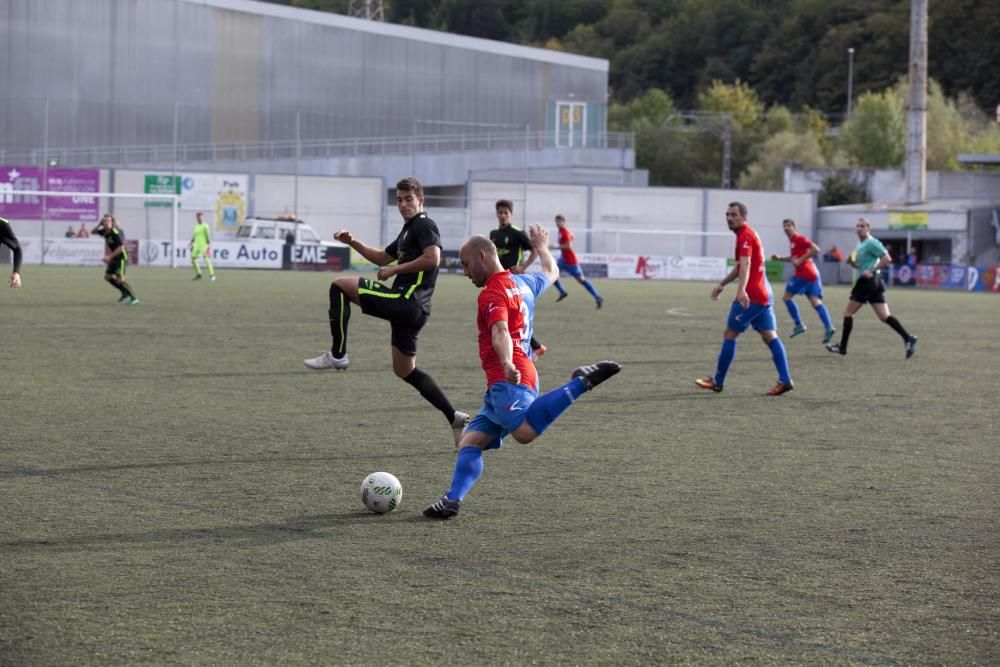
point(381, 492)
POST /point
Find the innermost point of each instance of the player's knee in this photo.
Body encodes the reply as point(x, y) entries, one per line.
point(524, 434)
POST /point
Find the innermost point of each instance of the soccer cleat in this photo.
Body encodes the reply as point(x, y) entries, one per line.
point(780, 388)
point(836, 349)
point(133, 302)
point(537, 353)
point(600, 302)
point(197, 276)
point(911, 346)
point(211, 279)
point(595, 374)
point(458, 425)
point(123, 297)
point(708, 383)
point(326, 361)
point(799, 329)
point(443, 508)
point(828, 336)
point(562, 296)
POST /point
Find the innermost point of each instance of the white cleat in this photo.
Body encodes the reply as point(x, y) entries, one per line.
point(327, 361)
point(458, 426)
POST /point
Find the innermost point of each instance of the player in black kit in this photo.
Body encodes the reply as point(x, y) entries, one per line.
point(8, 239)
point(511, 243)
point(406, 305)
point(116, 257)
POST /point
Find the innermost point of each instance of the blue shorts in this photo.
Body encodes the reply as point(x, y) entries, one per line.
point(505, 407)
point(572, 269)
point(761, 318)
point(803, 286)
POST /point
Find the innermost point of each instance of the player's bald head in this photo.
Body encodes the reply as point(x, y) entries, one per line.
point(480, 244)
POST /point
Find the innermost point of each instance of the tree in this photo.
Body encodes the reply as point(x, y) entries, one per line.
point(768, 171)
point(876, 134)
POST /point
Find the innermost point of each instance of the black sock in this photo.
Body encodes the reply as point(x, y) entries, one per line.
point(534, 343)
point(429, 389)
point(127, 290)
point(845, 333)
point(895, 324)
point(340, 315)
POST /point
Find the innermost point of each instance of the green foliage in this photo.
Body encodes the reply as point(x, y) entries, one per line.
point(652, 108)
point(876, 134)
point(736, 100)
point(787, 146)
point(841, 188)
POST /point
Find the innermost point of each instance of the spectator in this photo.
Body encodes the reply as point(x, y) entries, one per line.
point(83, 232)
point(70, 234)
point(833, 255)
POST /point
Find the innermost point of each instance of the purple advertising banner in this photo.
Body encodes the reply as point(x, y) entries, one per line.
point(62, 209)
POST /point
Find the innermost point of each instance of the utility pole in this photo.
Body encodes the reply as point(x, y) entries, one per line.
point(372, 10)
point(916, 113)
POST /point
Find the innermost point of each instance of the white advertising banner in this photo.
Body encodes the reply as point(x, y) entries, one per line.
point(651, 267)
point(225, 254)
point(83, 252)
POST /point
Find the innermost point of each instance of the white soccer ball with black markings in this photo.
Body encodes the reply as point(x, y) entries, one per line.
point(381, 492)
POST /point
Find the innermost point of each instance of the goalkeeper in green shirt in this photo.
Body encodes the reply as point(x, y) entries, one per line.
point(200, 241)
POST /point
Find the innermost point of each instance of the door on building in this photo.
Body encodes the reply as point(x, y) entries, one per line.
point(571, 124)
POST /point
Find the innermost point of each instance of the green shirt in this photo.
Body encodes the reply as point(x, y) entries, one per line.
point(868, 253)
point(202, 236)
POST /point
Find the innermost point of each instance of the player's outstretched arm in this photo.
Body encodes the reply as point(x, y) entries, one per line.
point(376, 256)
point(540, 246)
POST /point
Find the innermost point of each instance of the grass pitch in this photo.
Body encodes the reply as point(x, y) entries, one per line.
point(178, 489)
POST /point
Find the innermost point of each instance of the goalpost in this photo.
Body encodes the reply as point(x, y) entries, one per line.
point(17, 197)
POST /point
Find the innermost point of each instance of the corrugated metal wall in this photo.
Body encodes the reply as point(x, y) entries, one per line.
point(115, 72)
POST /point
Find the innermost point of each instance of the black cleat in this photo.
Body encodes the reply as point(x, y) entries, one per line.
point(836, 349)
point(562, 296)
point(600, 302)
point(911, 346)
point(595, 374)
point(443, 508)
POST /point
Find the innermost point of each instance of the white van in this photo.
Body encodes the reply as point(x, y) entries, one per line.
point(277, 229)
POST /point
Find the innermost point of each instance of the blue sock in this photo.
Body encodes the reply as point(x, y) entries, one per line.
point(726, 355)
point(547, 407)
point(780, 360)
point(824, 316)
point(590, 288)
point(558, 286)
point(468, 468)
point(793, 310)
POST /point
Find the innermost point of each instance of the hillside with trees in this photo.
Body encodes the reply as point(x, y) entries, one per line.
point(772, 76)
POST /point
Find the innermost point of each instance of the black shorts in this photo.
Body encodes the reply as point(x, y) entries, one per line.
point(868, 290)
point(116, 267)
point(406, 317)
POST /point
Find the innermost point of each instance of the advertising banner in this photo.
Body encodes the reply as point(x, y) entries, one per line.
point(225, 254)
point(72, 252)
point(77, 208)
point(225, 195)
point(318, 257)
point(160, 184)
point(908, 219)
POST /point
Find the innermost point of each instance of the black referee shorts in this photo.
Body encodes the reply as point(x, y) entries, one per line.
point(405, 317)
point(868, 290)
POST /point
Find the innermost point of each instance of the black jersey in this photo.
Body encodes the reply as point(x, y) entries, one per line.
point(114, 238)
point(511, 243)
point(417, 234)
point(8, 239)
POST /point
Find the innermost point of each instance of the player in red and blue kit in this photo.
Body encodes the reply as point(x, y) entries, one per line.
point(805, 280)
point(569, 263)
point(752, 306)
point(511, 405)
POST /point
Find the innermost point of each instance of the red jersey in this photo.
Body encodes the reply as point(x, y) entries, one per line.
point(748, 245)
point(800, 247)
point(499, 300)
point(566, 236)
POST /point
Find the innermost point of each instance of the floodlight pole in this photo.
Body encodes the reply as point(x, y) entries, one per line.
point(850, 82)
